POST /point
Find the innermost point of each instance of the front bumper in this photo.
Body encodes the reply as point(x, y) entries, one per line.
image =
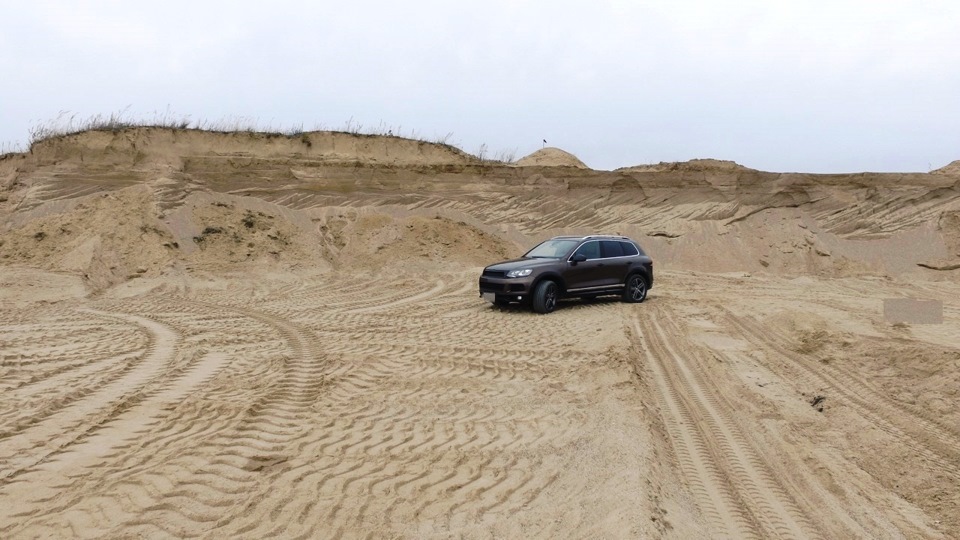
point(513, 288)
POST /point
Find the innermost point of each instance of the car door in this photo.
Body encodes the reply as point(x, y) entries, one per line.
point(615, 264)
point(585, 274)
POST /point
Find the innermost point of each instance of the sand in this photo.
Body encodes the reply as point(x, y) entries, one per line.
point(238, 335)
point(551, 157)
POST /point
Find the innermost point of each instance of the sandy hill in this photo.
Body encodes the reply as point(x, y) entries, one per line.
point(551, 157)
point(140, 147)
point(692, 165)
point(112, 206)
point(952, 168)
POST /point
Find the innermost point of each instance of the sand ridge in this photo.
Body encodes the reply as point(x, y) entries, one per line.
point(952, 168)
point(208, 334)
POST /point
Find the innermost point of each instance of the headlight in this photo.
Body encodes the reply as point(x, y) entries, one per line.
point(519, 273)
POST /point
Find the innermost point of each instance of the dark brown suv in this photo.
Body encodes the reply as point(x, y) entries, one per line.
point(570, 266)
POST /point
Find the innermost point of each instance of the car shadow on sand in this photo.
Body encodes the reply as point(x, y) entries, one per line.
point(569, 304)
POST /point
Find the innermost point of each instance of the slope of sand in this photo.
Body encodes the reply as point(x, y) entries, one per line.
point(227, 335)
point(714, 165)
point(953, 168)
point(551, 157)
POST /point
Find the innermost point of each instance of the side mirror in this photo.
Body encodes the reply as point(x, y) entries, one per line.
point(578, 258)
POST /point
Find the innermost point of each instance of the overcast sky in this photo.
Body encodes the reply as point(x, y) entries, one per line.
point(819, 86)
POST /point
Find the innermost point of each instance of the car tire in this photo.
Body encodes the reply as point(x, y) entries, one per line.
point(545, 296)
point(635, 290)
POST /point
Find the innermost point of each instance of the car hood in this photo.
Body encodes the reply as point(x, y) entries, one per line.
point(523, 262)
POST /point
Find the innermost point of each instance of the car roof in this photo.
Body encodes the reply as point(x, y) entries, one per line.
point(589, 236)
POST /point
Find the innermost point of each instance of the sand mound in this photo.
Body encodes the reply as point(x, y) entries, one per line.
point(378, 241)
point(139, 148)
point(707, 164)
point(952, 169)
point(105, 239)
point(704, 214)
point(114, 237)
point(551, 157)
point(233, 236)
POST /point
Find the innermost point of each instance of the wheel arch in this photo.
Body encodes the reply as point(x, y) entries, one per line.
point(642, 272)
point(552, 276)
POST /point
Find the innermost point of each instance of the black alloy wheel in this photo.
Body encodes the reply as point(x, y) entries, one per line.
point(545, 297)
point(636, 289)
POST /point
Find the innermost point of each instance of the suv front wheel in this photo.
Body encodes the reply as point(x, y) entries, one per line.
point(545, 297)
point(636, 289)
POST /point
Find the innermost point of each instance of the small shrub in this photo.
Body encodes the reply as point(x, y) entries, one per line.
point(295, 131)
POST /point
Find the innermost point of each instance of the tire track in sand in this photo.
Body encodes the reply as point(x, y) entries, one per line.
point(253, 453)
point(404, 429)
point(36, 444)
point(397, 302)
point(203, 464)
point(732, 485)
point(916, 431)
point(934, 449)
point(101, 462)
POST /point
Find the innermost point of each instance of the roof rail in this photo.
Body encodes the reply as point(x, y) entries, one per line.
point(604, 236)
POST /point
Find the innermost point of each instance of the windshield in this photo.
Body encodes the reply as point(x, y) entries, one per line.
point(552, 249)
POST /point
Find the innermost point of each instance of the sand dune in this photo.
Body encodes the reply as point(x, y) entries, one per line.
point(551, 157)
point(246, 335)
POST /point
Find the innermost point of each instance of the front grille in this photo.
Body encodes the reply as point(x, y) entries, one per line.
point(493, 287)
point(494, 273)
point(501, 288)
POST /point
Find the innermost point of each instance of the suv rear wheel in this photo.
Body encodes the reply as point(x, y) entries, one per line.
point(545, 297)
point(636, 289)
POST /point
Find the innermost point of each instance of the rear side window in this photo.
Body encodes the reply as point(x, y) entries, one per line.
point(628, 248)
point(611, 248)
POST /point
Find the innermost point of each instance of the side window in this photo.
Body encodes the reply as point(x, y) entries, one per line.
point(590, 249)
point(629, 249)
point(611, 248)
